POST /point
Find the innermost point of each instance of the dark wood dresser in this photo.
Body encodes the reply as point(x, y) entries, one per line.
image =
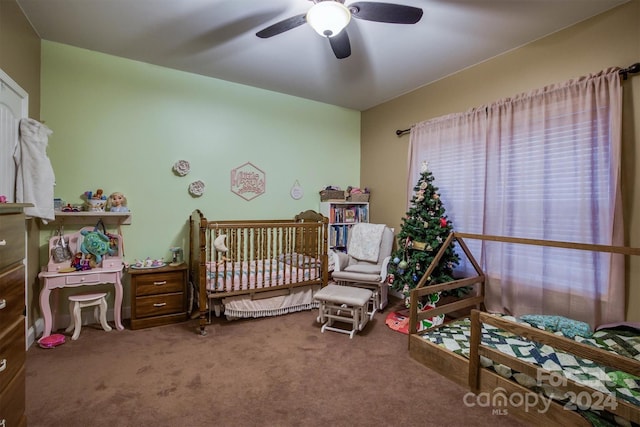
point(158, 296)
point(12, 315)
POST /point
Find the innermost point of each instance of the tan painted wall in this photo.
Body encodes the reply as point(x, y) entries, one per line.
point(20, 52)
point(610, 39)
point(20, 59)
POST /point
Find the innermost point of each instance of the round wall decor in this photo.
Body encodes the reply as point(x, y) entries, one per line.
point(297, 191)
point(181, 167)
point(196, 188)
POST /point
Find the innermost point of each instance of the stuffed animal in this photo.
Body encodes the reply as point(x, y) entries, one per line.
point(96, 243)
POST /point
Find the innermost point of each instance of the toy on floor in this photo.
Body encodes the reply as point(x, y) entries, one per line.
point(51, 341)
point(399, 321)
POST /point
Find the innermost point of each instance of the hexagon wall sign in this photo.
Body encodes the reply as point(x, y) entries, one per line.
point(248, 181)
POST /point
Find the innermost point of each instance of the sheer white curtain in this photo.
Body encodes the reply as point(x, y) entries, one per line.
point(459, 174)
point(543, 165)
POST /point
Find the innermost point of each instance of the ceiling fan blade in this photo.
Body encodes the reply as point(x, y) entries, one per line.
point(282, 26)
point(385, 12)
point(340, 44)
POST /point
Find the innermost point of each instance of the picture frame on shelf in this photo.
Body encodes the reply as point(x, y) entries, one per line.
point(349, 215)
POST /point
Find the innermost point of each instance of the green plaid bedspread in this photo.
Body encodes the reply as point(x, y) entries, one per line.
point(455, 337)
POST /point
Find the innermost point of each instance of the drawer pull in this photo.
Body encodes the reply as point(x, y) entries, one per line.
point(3, 242)
point(3, 364)
point(164, 282)
point(161, 304)
point(3, 303)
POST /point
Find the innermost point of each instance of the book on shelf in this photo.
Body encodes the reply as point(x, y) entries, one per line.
point(335, 235)
point(362, 214)
point(339, 236)
point(335, 214)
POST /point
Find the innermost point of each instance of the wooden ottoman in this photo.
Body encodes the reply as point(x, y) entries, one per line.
point(345, 304)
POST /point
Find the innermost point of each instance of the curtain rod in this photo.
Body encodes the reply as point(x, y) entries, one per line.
point(631, 69)
point(624, 72)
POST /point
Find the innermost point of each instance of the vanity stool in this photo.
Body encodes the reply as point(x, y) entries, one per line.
point(345, 304)
point(80, 301)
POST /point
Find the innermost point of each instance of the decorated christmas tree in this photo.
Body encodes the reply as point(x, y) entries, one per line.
point(423, 230)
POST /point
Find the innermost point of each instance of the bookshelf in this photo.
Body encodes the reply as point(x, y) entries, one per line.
point(342, 216)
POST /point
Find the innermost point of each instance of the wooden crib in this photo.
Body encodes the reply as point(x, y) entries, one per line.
point(244, 261)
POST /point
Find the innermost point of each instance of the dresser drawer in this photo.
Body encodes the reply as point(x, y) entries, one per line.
point(11, 239)
point(159, 283)
point(13, 401)
point(12, 352)
point(158, 305)
point(11, 296)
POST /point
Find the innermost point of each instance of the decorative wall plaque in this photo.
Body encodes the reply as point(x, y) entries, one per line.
point(248, 181)
point(296, 191)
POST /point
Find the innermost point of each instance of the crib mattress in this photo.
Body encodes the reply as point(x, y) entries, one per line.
point(455, 337)
point(258, 274)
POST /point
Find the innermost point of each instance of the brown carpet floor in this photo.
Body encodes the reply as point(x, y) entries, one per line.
point(279, 371)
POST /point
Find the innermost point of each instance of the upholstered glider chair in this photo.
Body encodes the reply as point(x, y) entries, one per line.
point(365, 264)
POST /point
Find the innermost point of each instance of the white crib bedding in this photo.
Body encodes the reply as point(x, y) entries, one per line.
point(257, 274)
point(298, 299)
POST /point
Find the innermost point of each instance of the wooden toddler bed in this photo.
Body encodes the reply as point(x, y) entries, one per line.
point(257, 268)
point(541, 375)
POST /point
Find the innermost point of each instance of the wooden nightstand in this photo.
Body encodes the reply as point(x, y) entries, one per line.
point(158, 296)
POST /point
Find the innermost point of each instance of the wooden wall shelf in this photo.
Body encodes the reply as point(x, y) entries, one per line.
point(91, 218)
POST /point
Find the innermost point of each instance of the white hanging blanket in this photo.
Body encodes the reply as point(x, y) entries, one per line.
point(35, 178)
point(364, 241)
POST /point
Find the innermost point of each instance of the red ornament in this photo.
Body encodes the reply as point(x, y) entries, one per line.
point(443, 222)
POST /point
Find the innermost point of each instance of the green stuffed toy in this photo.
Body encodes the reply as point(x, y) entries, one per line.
point(96, 243)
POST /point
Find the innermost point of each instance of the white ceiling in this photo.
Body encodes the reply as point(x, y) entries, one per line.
point(217, 38)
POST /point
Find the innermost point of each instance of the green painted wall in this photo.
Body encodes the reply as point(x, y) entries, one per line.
point(120, 125)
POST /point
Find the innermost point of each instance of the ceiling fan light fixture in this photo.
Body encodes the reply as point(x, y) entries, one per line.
point(328, 18)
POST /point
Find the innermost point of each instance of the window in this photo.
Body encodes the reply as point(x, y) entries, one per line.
point(543, 165)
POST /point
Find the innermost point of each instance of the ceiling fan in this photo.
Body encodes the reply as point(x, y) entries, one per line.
point(329, 18)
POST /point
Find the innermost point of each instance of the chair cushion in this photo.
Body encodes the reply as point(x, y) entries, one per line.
point(355, 297)
point(365, 268)
point(346, 276)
